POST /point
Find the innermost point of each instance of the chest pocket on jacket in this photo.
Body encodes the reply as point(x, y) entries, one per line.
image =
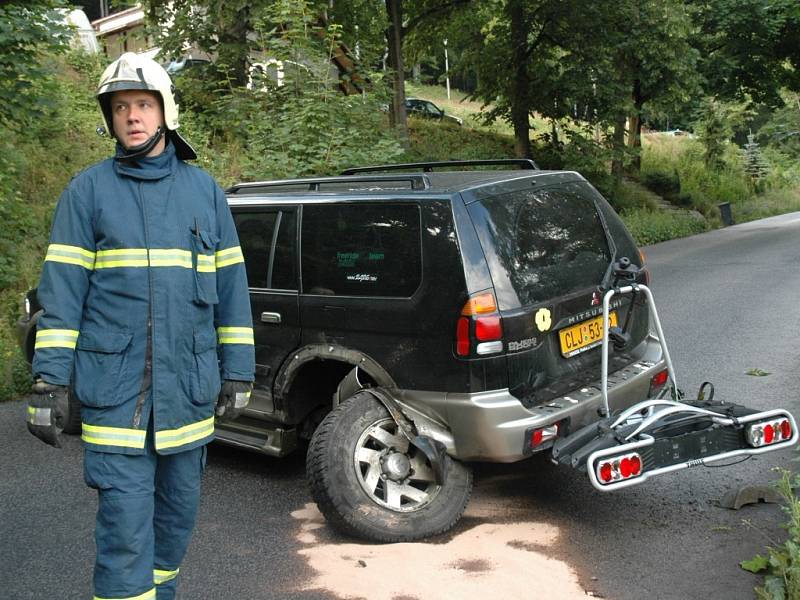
point(204, 245)
point(100, 366)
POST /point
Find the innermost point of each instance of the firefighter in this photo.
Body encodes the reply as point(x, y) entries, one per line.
point(147, 316)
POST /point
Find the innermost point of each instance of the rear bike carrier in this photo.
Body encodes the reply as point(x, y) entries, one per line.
point(661, 435)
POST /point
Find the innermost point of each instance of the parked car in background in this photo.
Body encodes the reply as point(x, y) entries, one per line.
point(428, 110)
point(675, 133)
point(179, 65)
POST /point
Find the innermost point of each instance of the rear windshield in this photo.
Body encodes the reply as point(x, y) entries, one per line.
point(541, 244)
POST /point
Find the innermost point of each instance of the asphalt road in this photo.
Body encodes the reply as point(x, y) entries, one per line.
point(728, 303)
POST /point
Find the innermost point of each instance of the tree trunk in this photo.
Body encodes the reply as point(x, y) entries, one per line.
point(618, 148)
point(635, 132)
point(234, 48)
point(520, 82)
point(394, 39)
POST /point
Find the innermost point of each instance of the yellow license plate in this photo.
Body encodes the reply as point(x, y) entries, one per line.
point(584, 336)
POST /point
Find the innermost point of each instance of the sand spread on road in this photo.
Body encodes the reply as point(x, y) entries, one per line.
point(489, 560)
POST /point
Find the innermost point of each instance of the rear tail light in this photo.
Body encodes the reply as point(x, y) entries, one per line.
point(768, 432)
point(658, 381)
point(618, 468)
point(537, 437)
point(479, 328)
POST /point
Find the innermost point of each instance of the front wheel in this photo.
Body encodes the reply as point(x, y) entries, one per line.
point(371, 483)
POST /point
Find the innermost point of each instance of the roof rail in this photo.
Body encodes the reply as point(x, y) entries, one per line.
point(416, 182)
point(522, 163)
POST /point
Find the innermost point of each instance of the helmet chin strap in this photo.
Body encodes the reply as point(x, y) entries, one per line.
point(142, 149)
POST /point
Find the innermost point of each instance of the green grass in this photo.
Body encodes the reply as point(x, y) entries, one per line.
point(432, 140)
point(768, 204)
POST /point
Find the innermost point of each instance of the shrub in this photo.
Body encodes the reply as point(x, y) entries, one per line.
point(705, 187)
point(649, 227)
point(628, 195)
point(664, 184)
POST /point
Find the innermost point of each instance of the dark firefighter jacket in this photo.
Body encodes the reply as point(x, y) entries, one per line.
point(132, 242)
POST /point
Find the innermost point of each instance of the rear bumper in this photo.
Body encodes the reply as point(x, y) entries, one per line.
point(492, 426)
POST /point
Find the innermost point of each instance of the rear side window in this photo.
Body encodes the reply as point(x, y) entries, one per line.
point(361, 249)
point(269, 244)
point(541, 244)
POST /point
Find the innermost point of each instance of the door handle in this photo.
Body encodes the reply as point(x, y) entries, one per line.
point(270, 317)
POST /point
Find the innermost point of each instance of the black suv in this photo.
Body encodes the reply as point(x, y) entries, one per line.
point(411, 319)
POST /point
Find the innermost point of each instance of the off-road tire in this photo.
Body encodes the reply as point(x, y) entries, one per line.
point(340, 486)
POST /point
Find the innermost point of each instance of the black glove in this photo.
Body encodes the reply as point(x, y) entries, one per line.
point(233, 399)
point(46, 411)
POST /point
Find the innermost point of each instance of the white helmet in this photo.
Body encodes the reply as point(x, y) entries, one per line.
point(133, 71)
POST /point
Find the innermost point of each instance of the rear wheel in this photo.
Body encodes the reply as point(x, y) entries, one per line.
point(370, 482)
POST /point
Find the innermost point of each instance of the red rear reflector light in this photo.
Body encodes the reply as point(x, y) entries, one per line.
point(462, 336)
point(618, 468)
point(660, 378)
point(769, 432)
point(543, 434)
point(488, 328)
point(657, 382)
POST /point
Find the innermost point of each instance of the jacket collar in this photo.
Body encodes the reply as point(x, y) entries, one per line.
point(149, 167)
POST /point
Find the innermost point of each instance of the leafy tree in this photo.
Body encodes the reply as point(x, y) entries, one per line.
point(782, 129)
point(221, 28)
point(597, 63)
point(399, 26)
point(363, 24)
point(749, 48)
point(652, 58)
point(716, 122)
point(302, 125)
point(28, 29)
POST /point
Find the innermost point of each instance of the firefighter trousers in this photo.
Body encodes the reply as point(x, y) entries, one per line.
point(146, 512)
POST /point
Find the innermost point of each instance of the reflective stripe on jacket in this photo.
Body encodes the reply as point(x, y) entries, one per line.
point(154, 239)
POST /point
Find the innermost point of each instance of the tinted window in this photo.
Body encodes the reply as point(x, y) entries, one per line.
point(270, 254)
point(541, 244)
point(361, 249)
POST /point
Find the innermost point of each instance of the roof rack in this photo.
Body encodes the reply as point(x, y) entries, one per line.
point(522, 163)
point(415, 182)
